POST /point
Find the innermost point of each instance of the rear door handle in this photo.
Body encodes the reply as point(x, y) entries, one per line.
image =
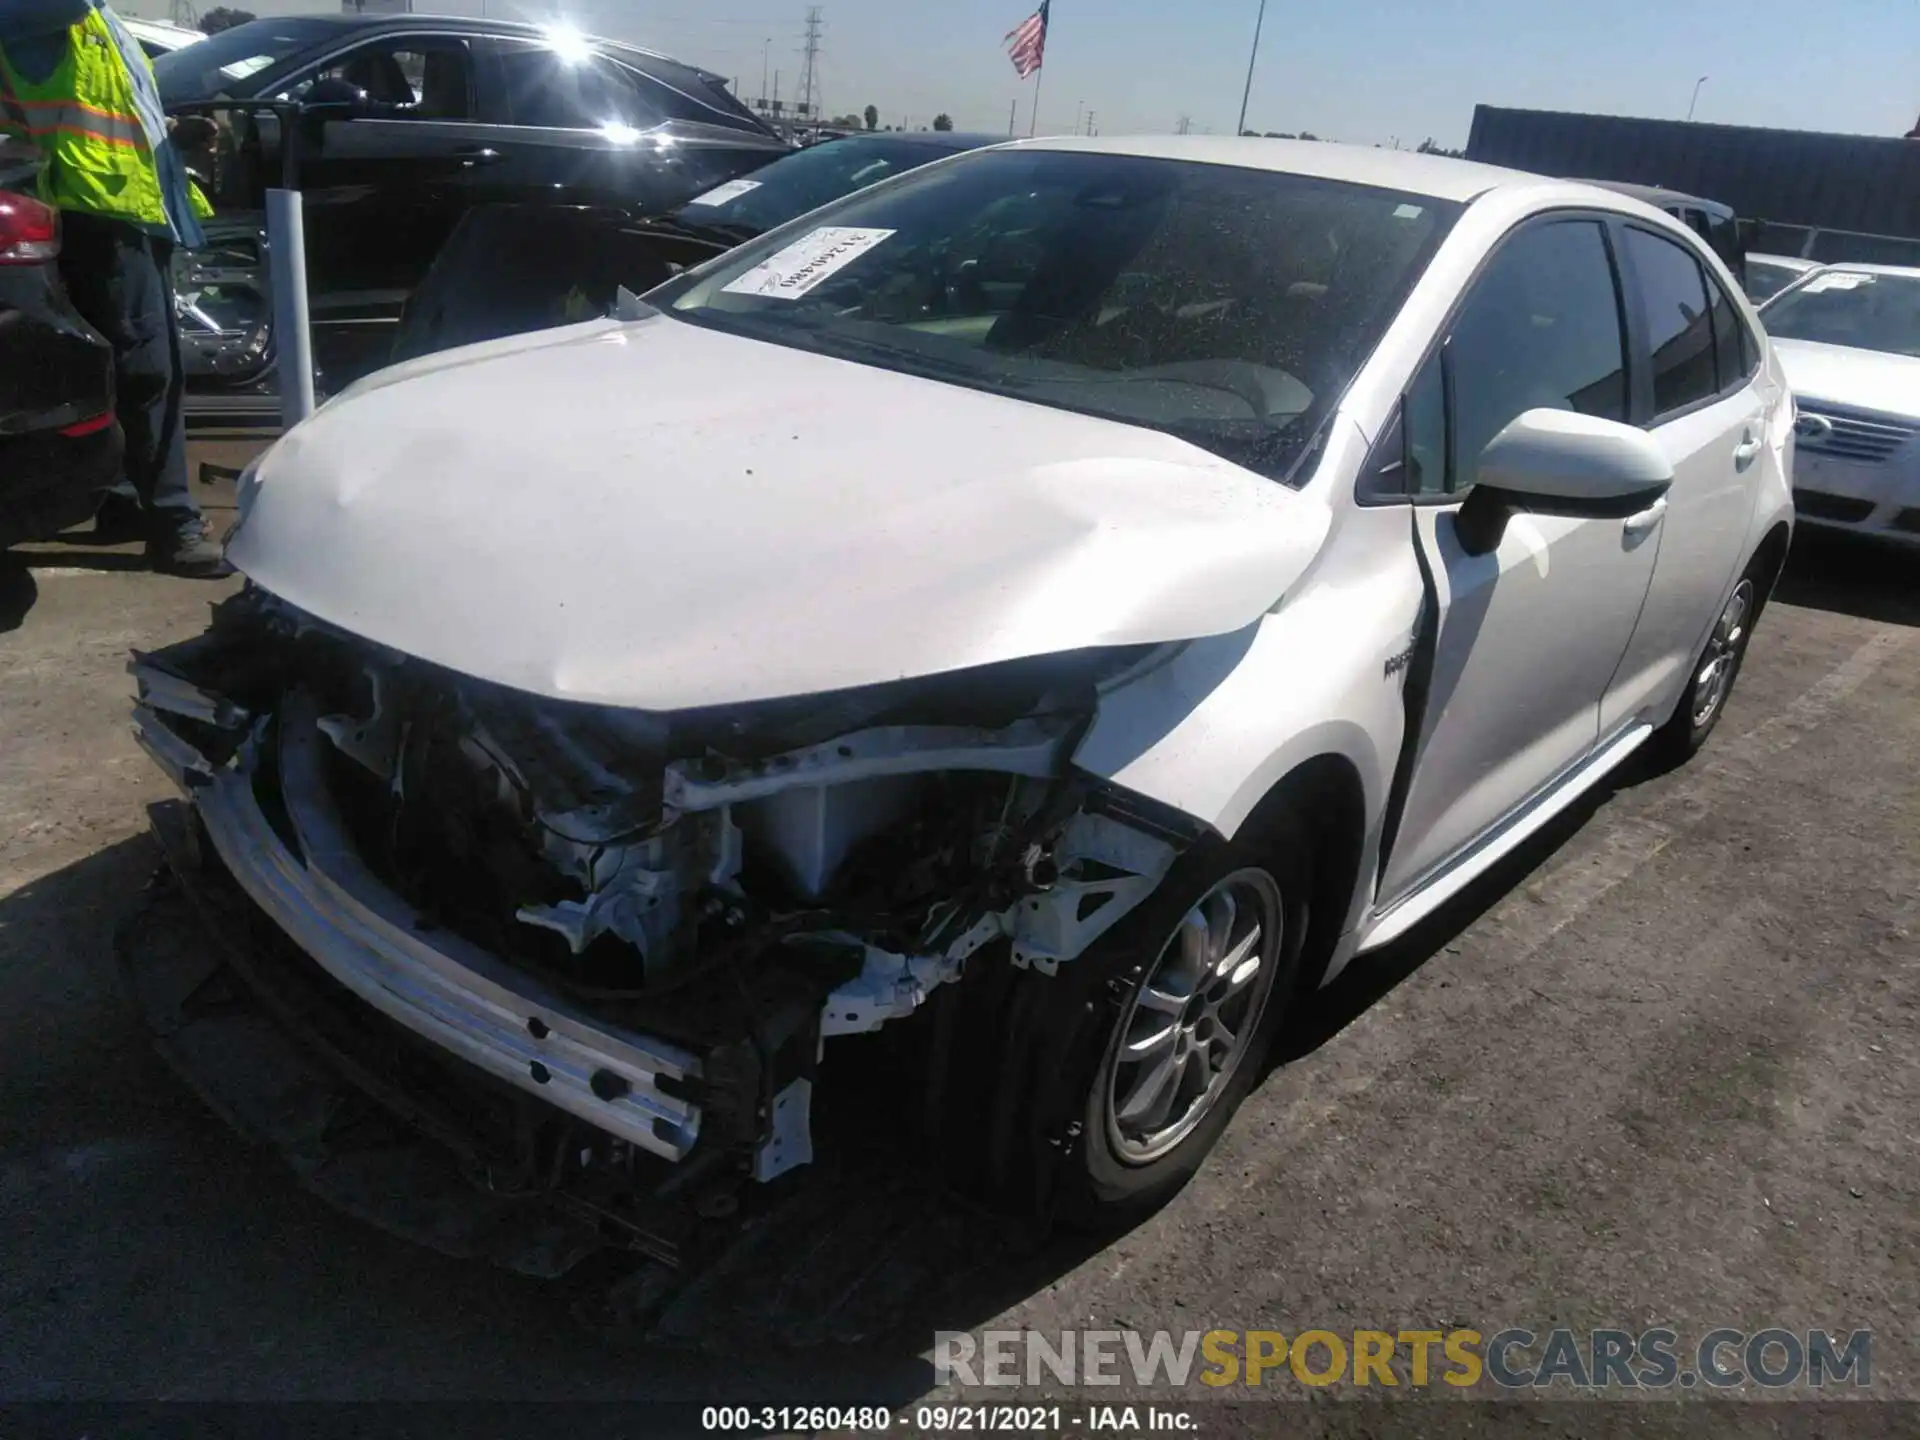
point(1744, 452)
point(473, 155)
point(1648, 518)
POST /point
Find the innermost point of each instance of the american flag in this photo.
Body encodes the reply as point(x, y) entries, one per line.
point(1027, 46)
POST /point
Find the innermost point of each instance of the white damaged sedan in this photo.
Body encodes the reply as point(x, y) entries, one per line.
point(1053, 609)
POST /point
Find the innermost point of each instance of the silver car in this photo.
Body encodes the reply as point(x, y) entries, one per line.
point(1055, 609)
point(1848, 337)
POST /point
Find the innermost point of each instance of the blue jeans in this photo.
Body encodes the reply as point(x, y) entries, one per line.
point(121, 281)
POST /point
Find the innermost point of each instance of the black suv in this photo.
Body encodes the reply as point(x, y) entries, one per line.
point(407, 122)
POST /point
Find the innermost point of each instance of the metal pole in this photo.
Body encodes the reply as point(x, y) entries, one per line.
point(1247, 94)
point(293, 340)
point(766, 58)
point(1696, 95)
point(1013, 112)
point(1033, 120)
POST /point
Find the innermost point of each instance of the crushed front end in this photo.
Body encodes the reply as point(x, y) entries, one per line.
point(631, 941)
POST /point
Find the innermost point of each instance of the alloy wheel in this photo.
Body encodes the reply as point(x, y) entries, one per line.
point(1715, 677)
point(1194, 1017)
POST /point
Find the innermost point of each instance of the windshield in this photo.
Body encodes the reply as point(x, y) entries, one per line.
point(213, 68)
point(1851, 307)
point(805, 181)
point(1229, 307)
point(1767, 278)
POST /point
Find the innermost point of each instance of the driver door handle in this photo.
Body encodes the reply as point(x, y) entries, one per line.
point(1744, 452)
point(1648, 518)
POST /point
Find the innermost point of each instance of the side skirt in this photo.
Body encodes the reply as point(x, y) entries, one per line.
point(1397, 919)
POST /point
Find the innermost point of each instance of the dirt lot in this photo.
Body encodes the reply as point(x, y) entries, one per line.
point(1666, 1070)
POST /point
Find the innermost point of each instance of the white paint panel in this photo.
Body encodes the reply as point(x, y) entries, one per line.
point(662, 516)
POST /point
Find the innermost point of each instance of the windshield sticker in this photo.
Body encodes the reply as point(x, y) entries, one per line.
point(793, 271)
point(1842, 280)
point(721, 194)
point(1406, 212)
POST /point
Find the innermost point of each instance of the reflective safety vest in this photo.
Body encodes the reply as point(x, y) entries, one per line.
point(83, 120)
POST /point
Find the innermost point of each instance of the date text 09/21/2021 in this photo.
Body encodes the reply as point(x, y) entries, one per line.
point(948, 1419)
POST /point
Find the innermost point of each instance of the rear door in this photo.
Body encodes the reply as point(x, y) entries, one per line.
point(1703, 396)
point(1529, 635)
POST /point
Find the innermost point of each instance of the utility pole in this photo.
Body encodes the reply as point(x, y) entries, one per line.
point(1183, 126)
point(809, 97)
point(1247, 94)
point(766, 59)
point(1090, 129)
point(1079, 109)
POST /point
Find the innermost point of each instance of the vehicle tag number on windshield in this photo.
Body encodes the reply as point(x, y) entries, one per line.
point(721, 194)
point(792, 271)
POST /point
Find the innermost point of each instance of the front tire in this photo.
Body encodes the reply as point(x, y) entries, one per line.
point(1196, 984)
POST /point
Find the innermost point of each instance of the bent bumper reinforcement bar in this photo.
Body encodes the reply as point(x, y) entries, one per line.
point(368, 938)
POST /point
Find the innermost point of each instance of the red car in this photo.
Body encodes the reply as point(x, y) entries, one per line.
point(60, 446)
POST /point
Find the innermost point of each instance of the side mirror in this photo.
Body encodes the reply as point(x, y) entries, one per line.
point(334, 99)
point(1560, 462)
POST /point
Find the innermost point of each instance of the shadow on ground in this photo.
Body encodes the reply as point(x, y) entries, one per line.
point(1852, 577)
point(18, 591)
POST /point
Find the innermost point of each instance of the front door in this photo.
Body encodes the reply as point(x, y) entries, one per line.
point(1529, 635)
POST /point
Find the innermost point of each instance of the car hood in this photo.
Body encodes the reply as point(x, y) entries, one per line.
point(1856, 379)
point(661, 516)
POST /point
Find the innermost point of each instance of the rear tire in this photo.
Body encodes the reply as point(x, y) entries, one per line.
point(1714, 672)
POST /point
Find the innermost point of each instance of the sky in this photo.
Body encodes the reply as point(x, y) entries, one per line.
point(1378, 71)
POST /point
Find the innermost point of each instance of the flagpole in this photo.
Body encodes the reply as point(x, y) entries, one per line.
point(1033, 119)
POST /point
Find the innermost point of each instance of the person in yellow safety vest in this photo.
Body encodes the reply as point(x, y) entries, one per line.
point(76, 84)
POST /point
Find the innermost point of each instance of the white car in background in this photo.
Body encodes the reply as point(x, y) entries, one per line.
point(158, 38)
point(1768, 275)
point(1064, 602)
point(1848, 337)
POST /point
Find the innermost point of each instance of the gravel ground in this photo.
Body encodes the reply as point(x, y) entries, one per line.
point(1661, 1071)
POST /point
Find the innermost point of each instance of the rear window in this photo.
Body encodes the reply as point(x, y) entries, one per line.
point(1673, 300)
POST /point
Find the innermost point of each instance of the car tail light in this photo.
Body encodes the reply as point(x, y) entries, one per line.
point(29, 231)
point(91, 426)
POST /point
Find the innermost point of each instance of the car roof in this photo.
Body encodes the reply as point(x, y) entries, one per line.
point(1658, 197)
point(475, 25)
point(1792, 262)
point(338, 27)
point(162, 30)
point(1434, 176)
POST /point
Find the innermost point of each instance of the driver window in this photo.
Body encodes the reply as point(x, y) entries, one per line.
point(1541, 329)
point(406, 78)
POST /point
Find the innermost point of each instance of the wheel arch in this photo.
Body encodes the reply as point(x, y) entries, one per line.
point(1322, 802)
point(1770, 557)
